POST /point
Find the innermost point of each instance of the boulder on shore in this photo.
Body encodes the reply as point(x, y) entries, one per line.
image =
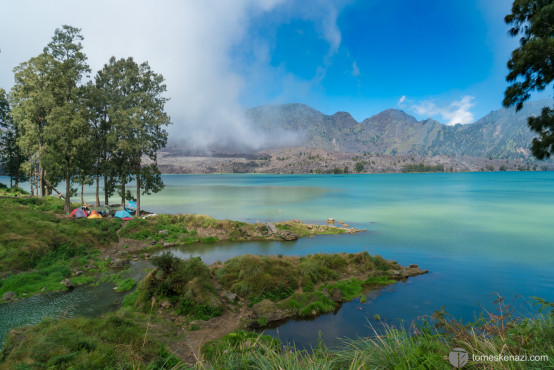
point(272, 229)
point(288, 235)
point(68, 284)
point(9, 296)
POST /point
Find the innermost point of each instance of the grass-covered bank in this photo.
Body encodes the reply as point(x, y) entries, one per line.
point(133, 339)
point(264, 288)
point(40, 246)
point(186, 229)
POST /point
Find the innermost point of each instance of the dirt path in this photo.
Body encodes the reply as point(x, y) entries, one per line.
point(189, 348)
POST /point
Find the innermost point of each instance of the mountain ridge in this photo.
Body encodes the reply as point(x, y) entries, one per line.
point(500, 134)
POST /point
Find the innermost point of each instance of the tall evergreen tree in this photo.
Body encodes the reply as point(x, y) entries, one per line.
point(67, 129)
point(532, 66)
point(31, 103)
point(11, 155)
point(137, 116)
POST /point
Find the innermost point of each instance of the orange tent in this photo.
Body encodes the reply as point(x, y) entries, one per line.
point(94, 214)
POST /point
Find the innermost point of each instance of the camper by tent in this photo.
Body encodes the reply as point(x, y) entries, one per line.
point(123, 215)
point(78, 213)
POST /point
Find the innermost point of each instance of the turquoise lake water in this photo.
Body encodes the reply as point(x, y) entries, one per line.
point(477, 234)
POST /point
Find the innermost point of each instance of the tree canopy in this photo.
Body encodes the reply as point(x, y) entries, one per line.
point(532, 65)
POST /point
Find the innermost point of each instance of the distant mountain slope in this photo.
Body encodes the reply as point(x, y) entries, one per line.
point(500, 134)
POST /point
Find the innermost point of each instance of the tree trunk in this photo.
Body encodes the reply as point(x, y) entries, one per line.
point(97, 190)
point(106, 200)
point(137, 213)
point(67, 190)
point(41, 178)
point(36, 183)
point(82, 190)
point(31, 180)
point(16, 181)
point(123, 193)
point(11, 181)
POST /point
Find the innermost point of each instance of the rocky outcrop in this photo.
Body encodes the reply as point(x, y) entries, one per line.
point(68, 284)
point(9, 296)
point(288, 235)
point(407, 272)
point(269, 311)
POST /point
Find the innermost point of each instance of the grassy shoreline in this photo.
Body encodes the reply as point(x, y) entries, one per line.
point(40, 246)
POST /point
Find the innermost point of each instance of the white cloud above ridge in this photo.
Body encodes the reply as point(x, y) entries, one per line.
point(457, 112)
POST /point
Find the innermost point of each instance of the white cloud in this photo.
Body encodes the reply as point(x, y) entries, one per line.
point(401, 100)
point(456, 112)
point(190, 43)
point(355, 70)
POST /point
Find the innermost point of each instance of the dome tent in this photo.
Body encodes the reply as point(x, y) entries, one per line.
point(123, 215)
point(78, 213)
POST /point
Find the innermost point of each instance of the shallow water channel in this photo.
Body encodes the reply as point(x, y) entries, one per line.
point(87, 300)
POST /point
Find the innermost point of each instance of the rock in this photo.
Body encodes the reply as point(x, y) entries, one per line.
point(414, 266)
point(165, 304)
point(326, 292)
point(345, 225)
point(297, 221)
point(330, 220)
point(231, 296)
point(9, 296)
point(288, 235)
point(78, 273)
point(269, 310)
point(336, 295)
point(272, 229)
point(43, 289)
point(310, 226)
point(163, 232)
point(119, 262)
point(168, 245)
point(67, 283)
point(146, 255)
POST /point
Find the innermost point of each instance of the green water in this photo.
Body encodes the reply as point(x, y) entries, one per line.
point(477, 233)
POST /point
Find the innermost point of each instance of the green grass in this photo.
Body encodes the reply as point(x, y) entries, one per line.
point(125, 285)
point(35, 239)
point(121, 340)
point(113, 341)
point(30, 231)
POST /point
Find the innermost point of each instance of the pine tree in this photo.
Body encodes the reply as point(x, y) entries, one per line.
point(531, 66)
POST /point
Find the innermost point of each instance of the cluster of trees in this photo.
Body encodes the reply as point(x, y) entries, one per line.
point(57, 128)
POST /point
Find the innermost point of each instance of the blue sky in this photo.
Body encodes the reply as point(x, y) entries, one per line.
point(441, 56)
point(441, 59)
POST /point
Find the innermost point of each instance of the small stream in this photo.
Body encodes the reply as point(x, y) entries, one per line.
point(87, 300)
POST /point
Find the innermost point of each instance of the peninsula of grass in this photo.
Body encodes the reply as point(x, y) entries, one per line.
point(270, 288)
point(186, 229)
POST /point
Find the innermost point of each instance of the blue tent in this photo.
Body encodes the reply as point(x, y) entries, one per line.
point(122, 214)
